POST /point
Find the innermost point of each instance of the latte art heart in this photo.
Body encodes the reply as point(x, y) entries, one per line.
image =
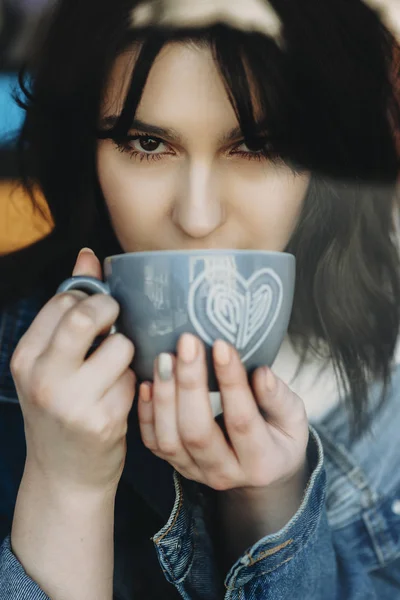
point(242, 311)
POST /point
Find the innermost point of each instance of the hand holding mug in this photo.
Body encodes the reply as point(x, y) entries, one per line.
point(171, 303)
point(265, 422)
point(76, 408)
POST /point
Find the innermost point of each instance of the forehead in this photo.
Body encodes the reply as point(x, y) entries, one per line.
point(184, 76)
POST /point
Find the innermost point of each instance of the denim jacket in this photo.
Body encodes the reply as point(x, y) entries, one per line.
point(342, 544)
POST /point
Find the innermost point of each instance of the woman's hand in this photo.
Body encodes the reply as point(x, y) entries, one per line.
point(267, 430)
point(75, 408)
point(247, 15)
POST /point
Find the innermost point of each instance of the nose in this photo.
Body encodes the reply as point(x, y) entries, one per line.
point(198, 209)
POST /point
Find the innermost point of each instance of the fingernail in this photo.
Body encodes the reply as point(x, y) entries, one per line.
point(165, 367)
point(85, 250)
point(270, 380)
point(188, 348)
point(77, 268)
point(145, 392)
point(222, 353)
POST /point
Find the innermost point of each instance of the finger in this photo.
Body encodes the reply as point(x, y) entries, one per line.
point(244, 423)
point(280, 405)
point(119, 399)
point(77, 330)
point(87, 264)
point(200, 434)
point(111, 359)
point(41, 331)
point(108, 419)
point(34, 342)
point(146, 417)
point(164, 410)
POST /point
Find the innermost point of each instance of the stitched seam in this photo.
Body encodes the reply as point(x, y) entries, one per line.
point(232, 587)
point(370, 525)
point(178, 510)
point(171, 570)
point(296, 552)
point(269, 552)
point(276, 567)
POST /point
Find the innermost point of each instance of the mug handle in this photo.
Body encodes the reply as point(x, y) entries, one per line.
point(89, 285)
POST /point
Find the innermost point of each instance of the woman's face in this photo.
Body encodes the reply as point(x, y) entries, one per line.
point(189, 181)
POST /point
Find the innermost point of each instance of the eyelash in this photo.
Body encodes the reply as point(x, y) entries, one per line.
point(125, 148)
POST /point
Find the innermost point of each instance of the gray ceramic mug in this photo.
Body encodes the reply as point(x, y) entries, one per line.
point(244, 297)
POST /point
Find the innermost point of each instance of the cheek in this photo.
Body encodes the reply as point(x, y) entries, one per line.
point(136, 201)
point(272, 208)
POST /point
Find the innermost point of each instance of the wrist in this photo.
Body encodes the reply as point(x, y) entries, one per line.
point(63, 491)
point(247, 515)
point(294, 485)
point(63, 537)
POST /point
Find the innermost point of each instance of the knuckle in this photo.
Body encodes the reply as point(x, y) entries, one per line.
point(82, 318)
point(104, 303)
point(19, 360)
point(219, 483)
point(168, 449)
point(125, 347)
point(103, 429)
point(189, 379)
point(196, 440)
point(68, 300)
point(233, 379)
point(151, 445)
point(239, 424)
point(112, 303)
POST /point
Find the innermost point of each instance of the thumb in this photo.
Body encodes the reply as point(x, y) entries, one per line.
point(279, 404)
point(87, 264)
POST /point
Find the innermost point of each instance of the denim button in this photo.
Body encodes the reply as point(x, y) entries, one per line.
point(396, 507)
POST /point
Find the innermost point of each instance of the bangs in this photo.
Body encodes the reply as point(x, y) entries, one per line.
point(254, 74)
point(324, 118)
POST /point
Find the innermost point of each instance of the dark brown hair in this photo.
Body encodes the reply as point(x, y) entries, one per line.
point(330, 108)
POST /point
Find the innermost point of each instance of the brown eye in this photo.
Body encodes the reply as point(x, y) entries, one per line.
point(148, 144)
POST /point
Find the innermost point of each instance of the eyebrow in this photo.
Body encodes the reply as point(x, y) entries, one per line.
point(167, 133)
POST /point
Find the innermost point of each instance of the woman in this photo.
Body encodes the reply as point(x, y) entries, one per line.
point(147, 135)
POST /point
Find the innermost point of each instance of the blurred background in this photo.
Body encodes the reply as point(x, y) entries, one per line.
point(19, 20)
point(19, 23)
